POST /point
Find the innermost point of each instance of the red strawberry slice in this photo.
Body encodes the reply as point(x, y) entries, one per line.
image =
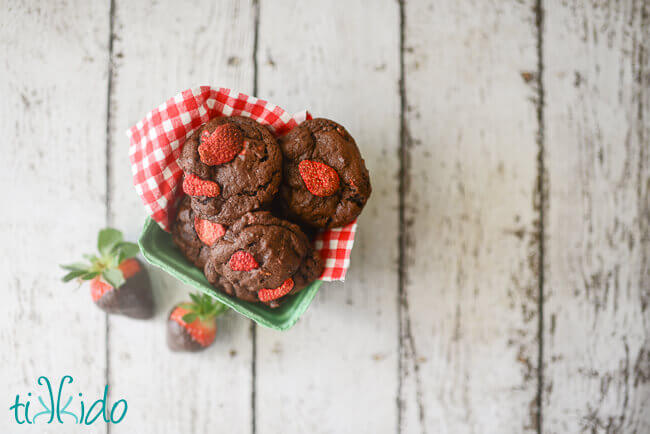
point(202, 331)
point(195, 186)
point(242, 261)
point(272, 294)
point(320, 179)
point(208, 231)
point(220, 147)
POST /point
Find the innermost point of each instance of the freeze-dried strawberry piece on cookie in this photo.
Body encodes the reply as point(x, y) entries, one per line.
point(195, 186)
point(238, 155)
point(320, 179)
point(193, 235)
point(222, 145)
point(242, 261)
point(325, 183)
point(208, 231)
point(119, 283)
point(192, 326)
point(269, 294)
point(262, 258)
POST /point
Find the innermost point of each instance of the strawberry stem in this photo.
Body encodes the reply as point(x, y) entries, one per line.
point(203, 307)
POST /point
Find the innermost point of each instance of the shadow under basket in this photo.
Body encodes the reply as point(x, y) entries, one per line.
point(157, 248)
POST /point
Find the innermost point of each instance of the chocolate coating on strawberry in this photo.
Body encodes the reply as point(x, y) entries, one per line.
point(325, 183)
point(248, 181)
point(267, 251)
point(192, 325)
point(179, 339)
point(133, 299)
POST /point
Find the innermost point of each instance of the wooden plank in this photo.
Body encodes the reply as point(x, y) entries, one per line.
point(336, 370)
point(160, 49)
point(597, 323)
point(52, 171)
point(469, 321)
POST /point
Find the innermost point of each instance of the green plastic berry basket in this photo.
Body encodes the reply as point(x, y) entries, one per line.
point(157, 248)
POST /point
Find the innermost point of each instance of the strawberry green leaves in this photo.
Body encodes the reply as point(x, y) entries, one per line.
point(126, 250)
point(202, 307)
point(112, 252)
point(114, 277)
point(74, 274)
point(78, 270)
point(108, 238)
point(110, 245)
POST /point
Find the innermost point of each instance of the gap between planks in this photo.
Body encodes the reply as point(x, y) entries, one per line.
point(253, 326)
point(403, 318)
point(542, 203)
point(109, 91)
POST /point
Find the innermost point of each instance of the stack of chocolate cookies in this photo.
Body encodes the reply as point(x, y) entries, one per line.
point(250, 200)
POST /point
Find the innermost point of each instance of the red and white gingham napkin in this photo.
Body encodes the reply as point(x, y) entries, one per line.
point(157, 140)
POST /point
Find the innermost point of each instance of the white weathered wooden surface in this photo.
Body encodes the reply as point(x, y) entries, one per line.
point(518, 132)
point(54, 59)
point(597, 334)
point(469, 321)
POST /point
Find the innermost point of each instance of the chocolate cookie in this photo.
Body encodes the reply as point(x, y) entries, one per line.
point(326, 183)
point(186, 237)
point(262, 258)
point(232, 165)
point(310, 270)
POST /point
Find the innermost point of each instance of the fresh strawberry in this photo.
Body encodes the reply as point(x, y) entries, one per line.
point(220, 147)
point(242, 261)
point(272, 294)
point(208, 231)
point(320, 179)
point(118, 282)
point(195, 186)
point(192, 326)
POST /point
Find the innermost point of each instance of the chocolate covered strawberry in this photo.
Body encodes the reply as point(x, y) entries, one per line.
point(119, 283)
point(192, 326)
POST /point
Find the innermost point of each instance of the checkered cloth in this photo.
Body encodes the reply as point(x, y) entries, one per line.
point(157, 140)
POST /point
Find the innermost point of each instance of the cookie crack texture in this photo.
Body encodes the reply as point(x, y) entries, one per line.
point(279, 247)
point(249, 182)
point(255, 192)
